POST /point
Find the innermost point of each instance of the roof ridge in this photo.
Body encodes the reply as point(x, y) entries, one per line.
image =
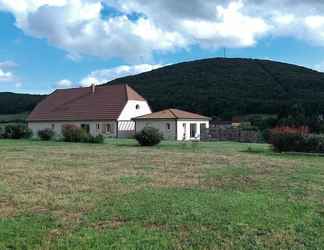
point(126, 91)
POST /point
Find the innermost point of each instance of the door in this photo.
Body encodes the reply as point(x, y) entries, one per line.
point(193, 130)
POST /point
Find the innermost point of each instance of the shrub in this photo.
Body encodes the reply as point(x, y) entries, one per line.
point(285, 142)
point(1, 132)
point(266, 134)
point(18, 131)
point(46, 134)
point(149, 137)
point(99, 139)
point(296, 142)
point(297, 130)
point(72, 133)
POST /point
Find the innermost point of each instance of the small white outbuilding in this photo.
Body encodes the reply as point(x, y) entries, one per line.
point(174, 124)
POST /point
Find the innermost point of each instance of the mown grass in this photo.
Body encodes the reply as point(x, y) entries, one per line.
point(55, 195)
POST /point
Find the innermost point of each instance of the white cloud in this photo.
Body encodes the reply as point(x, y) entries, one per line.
point(319, 67)
point(8, 65)
point(106, 75)
point(314, 22)
point(6, 75)
point(63, 84)
point(138, 28)
point(232, 28)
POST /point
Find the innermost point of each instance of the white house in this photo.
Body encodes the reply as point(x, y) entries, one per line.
point(174, 124)
point(105, 109)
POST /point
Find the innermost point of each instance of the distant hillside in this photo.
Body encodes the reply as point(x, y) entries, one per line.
point(11, 103)
point(230, 86)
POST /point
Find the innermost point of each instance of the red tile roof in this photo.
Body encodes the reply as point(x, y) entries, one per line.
point(80, 104)
point(172, 114)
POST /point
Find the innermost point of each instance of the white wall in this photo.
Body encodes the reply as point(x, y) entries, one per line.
point(161, 125)
point(184, 132)
point(37, 126)
point(129, 112)
point(126, 127)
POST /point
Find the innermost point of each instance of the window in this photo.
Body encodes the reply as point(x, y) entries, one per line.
point(168, 126)
point(108, 128)
point(53, 126)
point(86, 127)
point(193, 130)
point(98, 126)
point(138, 106)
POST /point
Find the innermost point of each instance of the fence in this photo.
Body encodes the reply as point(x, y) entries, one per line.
point(230, 134)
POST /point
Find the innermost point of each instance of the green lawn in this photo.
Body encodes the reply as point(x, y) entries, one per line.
point(55, 195)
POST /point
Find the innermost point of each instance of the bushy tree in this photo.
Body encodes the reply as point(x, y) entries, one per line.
point(296, 140)
point(149, 137)
point(1, 132)
point(46, 134)
point(73, 133)
point(17, 131)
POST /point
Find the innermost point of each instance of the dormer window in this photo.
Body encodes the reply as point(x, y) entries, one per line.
point(138, 107)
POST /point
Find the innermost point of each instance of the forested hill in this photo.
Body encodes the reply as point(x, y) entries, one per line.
point(229, 87)
point(11, 103)
point(223, 87)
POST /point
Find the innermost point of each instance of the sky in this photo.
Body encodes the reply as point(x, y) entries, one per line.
point(50, 44)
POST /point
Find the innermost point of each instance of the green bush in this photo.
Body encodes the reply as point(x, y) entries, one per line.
point(149, 137)
point(1, 132)
point(99, 139)
point(296, 142)
point(46, 134)
point(72, 133)
point(265, 134)
point(18, 131)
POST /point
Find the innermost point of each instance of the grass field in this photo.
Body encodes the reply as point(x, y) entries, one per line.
point(55, 195)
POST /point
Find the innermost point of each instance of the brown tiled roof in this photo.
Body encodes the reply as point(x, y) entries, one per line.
point(172, 114)
point(80, 104)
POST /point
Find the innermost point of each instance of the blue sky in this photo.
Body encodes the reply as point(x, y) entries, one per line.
point(69, 43)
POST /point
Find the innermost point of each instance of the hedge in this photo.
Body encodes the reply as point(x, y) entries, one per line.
point(17, 131)
point(72, 133)
point(297, 142)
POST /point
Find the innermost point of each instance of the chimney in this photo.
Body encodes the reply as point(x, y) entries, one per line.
point(93, 88)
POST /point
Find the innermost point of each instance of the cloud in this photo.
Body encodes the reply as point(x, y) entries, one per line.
point(106, 75)
point(133, 30)
point(63, 84)
point(319, 67)
point(8, 65)
point(6, 75)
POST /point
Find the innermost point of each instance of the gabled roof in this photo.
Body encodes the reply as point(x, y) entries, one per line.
point(80, 104)
point(172, 114)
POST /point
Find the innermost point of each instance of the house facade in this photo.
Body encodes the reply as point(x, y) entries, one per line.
point(174, 124)
point(107, 110)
